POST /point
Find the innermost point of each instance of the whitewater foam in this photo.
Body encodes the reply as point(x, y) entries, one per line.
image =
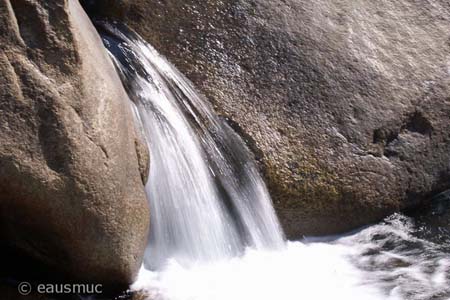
point(386, 261)
point(301, 271)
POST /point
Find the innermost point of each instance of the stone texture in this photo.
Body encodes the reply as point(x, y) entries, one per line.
point(71, 192)
point(345, 103)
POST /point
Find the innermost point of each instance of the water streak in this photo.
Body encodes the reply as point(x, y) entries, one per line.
point(207, 198)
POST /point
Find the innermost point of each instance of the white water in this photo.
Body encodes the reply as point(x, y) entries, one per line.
point(214, 232)
point(300, 271)
point(384, 261)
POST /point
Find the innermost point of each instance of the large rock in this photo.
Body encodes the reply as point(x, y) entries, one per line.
point(71, 194)
point(345, 103)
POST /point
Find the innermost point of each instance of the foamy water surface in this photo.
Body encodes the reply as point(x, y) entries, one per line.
point(385, 261)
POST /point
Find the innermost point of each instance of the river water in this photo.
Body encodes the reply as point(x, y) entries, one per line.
point(399, 258)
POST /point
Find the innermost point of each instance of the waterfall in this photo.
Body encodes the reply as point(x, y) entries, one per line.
point(206, 196)
point(209, 204)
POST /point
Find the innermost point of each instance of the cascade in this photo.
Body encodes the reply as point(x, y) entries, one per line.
point(206, 196)
point(214, 233)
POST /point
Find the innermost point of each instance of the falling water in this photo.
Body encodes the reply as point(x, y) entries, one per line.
point(206, 197)
point(214, 234)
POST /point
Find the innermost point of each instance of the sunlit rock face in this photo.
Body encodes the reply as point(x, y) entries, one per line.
point(344, 103)
point(71, 193)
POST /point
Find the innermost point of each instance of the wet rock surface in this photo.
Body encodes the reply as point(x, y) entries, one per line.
point(345, 104)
